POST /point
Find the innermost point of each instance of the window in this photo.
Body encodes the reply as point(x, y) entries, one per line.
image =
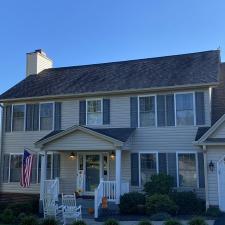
point(18, 117)
point(184, 109)
point(15, 167)
point(187, 170)
point(148, 166)
point(147, 111)
point(46, 116)
point(94, 112)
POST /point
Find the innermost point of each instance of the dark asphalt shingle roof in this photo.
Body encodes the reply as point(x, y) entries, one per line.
point(217, 140)
point(168, 71)
point(120, 134)
point(200, 132)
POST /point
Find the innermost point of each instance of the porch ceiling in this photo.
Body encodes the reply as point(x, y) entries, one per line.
point(83, 138)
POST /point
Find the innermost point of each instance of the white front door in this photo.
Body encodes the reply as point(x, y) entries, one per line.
point(221, 184)
point(91, 168)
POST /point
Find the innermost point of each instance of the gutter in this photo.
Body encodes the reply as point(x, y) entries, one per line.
point(118, 92)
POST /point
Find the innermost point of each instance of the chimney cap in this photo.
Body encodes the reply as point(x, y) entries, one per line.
point(40, 51)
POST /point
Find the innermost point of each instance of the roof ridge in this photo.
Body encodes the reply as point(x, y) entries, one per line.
point(129, 60)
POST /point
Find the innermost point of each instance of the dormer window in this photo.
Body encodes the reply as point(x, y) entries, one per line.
point(94, 112)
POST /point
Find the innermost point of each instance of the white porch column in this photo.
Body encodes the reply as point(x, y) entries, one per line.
point(206, 177)
point(43, 174)
point(118, 175)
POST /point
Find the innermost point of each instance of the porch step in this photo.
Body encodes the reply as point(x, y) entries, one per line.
point(111, 211)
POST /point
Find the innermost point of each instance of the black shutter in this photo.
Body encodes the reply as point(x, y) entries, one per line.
point(5, 175)
point(200, 108)
point(82, 113)
point(106, 111)
point(36, 117)
point(34, 170)
point(161, 110)
point(8, 117)
point(134, 112)
point(57, 116)
point(134, 169)
point(172, 167)
point(170, 110)
point(56, 165)
point(162, 163)
point(29, 117)
point(201, 173)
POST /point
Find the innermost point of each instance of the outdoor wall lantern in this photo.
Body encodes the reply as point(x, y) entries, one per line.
point(211, 166)
point(72, 156)
point(112, 156)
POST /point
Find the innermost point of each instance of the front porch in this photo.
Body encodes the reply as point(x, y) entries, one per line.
point(90, 165)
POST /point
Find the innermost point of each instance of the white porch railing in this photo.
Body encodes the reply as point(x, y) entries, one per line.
point(108, 189)
point(51, 188)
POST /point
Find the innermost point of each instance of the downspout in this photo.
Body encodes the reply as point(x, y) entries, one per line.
point(206, 177)
point(1, 143)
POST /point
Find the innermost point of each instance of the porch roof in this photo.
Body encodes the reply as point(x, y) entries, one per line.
point(116, 136)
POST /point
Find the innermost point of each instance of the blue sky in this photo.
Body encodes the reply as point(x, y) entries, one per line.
point(74, 32)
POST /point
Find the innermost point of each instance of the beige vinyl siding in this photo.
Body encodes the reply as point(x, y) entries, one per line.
point(79, 141)
point(214, 153)
point(220, 132)
point(166, 139)
point(68, 172)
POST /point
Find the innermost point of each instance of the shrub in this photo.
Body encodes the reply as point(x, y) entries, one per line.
point(130, 202)
point(28, 220)
point(159, 184)
point(160, 203)
point(20, 217)
point(79, 222)
point(197, 221)
point(160, 216)
point(49, 221)
point(18, 208)
point(111, 222)
point(213, 211)
point(144, 222)
point(7, 216)
point(172, 222)
point(188, 203)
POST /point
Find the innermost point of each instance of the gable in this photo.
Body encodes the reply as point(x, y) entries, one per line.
point(219, 132)
point(77, 141)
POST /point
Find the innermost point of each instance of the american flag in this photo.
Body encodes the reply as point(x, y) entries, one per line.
point(26, 169)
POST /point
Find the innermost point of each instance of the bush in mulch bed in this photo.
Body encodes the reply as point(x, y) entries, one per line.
point(188, 203)
point(132, 203)
point(172, 222)
point(160, 203)
point(144, 222)
point(197, 221)
point(111, 222)
point(28, 220)
point(214, 212)
point(7, 216)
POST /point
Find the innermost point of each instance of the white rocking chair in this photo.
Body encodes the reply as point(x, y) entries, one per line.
point(70, 210)
point(50, 208)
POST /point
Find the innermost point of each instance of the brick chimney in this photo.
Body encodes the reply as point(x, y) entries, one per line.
point(37, 61)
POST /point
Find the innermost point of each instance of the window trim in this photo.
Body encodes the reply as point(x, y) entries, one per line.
point(53, 116)
point(94, 99)
point(196, 164)
point(24, 118)
point(139, 163)
point(194, 108)
point(156, 117)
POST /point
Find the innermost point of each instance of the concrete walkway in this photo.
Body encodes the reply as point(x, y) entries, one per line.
point(92, 222)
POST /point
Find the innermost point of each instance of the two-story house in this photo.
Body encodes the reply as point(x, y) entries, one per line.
point(119, 122)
